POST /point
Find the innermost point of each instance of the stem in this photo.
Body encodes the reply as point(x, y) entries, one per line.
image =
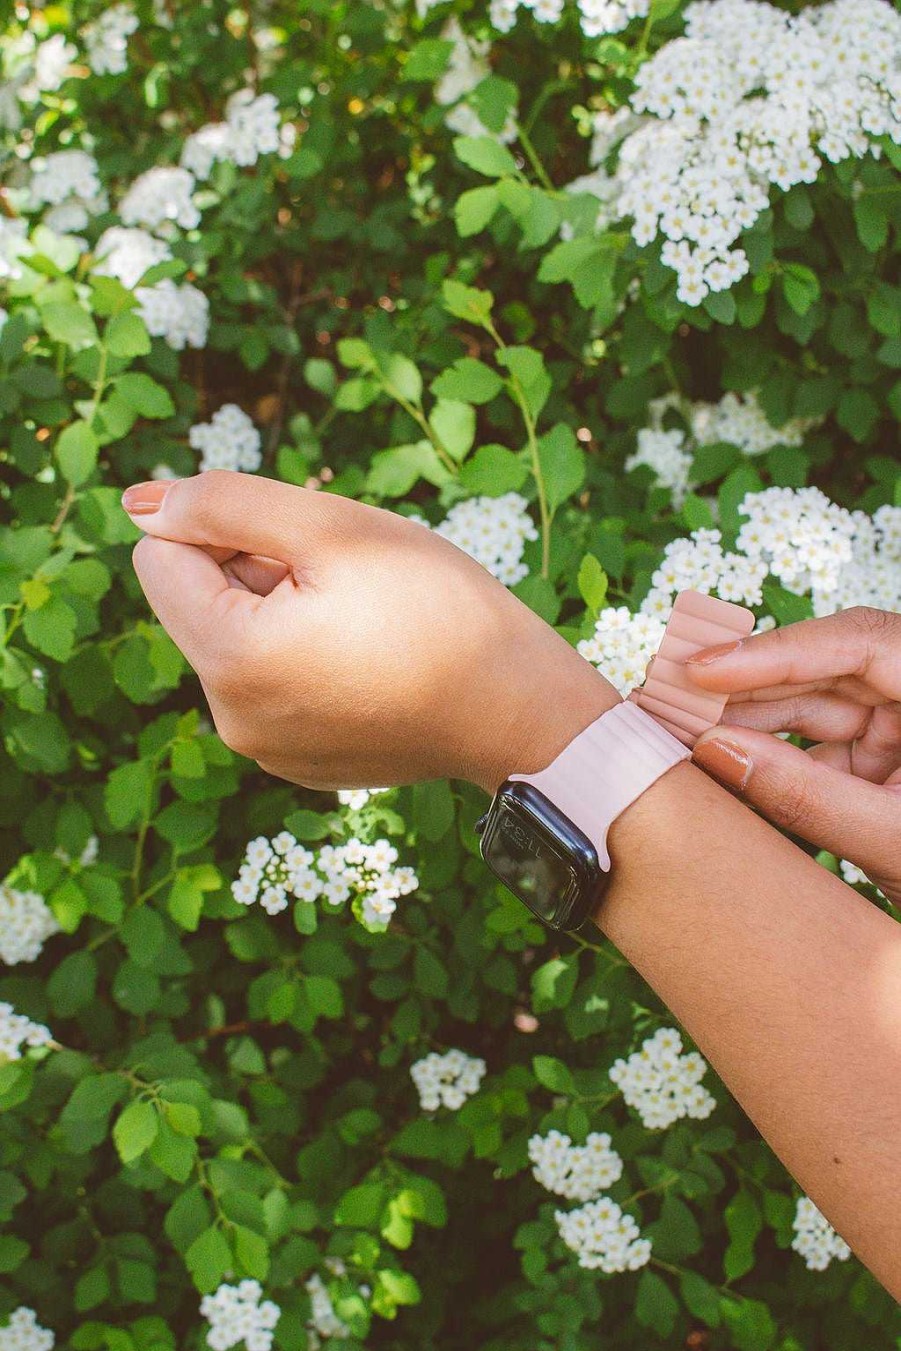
point(422, 421)
point(532, 156)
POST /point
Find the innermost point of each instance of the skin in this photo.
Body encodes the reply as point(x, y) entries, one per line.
point(339, 645)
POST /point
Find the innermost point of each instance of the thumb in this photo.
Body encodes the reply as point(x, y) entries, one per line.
point(851, 817)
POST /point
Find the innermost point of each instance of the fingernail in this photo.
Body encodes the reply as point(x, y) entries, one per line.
point(708, 655)
point(724, 761)
point(143, 498)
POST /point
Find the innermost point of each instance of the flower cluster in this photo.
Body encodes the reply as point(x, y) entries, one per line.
point(236, 1314)
point(106, 39)
point(622, 645)
point(323, 1321)
point(447, 1080)
point(180, 315)
point(493, 530)
point(273, 870)
point(662, 1083)
point(356, 798)
point(29, 69)
point(26, 922)
point(872, 576)
point(67, 182)
point(228, 441)
point(603, 1237)
point(160, 198)
point(17, 1031)
point(128, 253)
point(701, 563)
point(467, 67)
point(737, 419)
point(750, 98)
point(801, 537)
point(251, 129)
point(23, 1332)
point(595, 16)
point(576, 1172)
point(815, 1239)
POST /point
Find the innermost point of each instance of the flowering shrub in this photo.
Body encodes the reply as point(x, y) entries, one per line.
point(605, 293)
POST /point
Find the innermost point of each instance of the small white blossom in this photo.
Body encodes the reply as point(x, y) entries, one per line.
point(128, 253)
point(23, 1332)
point(106, 39)
point(26, 922)
point(236, 1314)
point(17, 1031)
point(228, 441)
point(815, 1239)
point(161, 197)
point(180, 315)
point(51, 62)
point(576, 1172)
point(251, 129)
point(467, 67)
point(323, 1321)
point(661, 1083)
point(603, 1237)
point(493, 530)
point(622, 645)
point(447, 1080)
point(356, 798)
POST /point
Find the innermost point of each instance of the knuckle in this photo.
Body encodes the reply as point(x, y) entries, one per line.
point(796, 804)
point(206, 495)
point(871, 621)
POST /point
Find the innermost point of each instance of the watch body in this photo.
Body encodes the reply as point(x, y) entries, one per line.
point(539, 855)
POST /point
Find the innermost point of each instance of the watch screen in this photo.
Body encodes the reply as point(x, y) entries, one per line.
point(526, 862)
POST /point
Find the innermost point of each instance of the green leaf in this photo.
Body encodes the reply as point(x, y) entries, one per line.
point(126, 335)
point(209, 1260)
point(361, 1206)
point(185, 900)
point(588, 263)
point(454, 424)
point(474, 209)
point(433, 809)
point(76, 452)
point(562, 462)
point(785, 606)
point(529, 374)
point(858, 413)
point(127, 792)
point(553, 983)
point(493, 100)
point(68, 323)
point(428, 59)
point(714, 461)
point(469, 381)
point(750, 1323)
point(467, 302)
point(135, 1129)
point(744, 1223)
point(871, 221)
point(485, 155)
point(85, 1118)
point(801, 286)
point(592, 583)
point(71, 987)
point(394, 472)
point(675, 1234)
point(401, 377)
point(656, 1306)
point(144, 395)
point(429, 974)
point(700, 1298)
point(697, 513)
point(51, 629)
point(493, 471)
point(553, 1074)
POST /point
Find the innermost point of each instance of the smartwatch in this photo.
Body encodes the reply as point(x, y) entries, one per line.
point(545, 834)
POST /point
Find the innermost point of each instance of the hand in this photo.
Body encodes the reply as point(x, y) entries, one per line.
point(344, 646)
point(835, 681)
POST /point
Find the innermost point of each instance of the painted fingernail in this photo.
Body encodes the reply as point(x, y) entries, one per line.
point(141, 499)
point(708, 655)
point(724, 761)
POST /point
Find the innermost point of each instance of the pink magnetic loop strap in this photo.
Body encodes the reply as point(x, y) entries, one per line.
point(668, 694)
point(605, 769)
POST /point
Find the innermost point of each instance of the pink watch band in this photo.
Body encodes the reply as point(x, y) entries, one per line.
point(605, 768)
point(668, 694)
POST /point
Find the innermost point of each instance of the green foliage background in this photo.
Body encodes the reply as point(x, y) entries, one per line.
point(233, 1096)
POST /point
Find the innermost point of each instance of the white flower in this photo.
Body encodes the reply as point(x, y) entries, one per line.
point(356, 798)
point(447, 1080)
point(323, 1320)
point(577, 1172)
point(603, 1237)
point(14, 246)
point(236, 1314)
point(493, 530)
point(64, 174)
point(178, 314)
point(815, 1239)
point(228, 441)
point(17, 1031)
point(26, 922)
point(662, 1083)
point(106, 39)
point(23, 1332)
point(467, 67)
point(622, 645)
point(251, 129)
point(51, 62)
point(128, 253)
point(161, 197)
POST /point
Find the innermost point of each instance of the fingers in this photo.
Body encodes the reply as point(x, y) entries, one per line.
point(862, 642)
point(259, 575)
point(191, 597)
point(818, 717)
point(239, 513)
point(807, 796)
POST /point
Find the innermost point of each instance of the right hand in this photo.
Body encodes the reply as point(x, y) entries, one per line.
point(342, 646)
point(835, 681)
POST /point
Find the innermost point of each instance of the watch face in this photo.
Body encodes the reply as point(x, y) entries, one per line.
point(540, 856)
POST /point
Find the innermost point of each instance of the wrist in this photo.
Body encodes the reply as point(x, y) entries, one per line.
point(555, 698)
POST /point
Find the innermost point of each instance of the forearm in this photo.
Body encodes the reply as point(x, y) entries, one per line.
point(789, 982)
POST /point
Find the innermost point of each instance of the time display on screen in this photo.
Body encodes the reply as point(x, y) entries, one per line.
point(528, 863)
